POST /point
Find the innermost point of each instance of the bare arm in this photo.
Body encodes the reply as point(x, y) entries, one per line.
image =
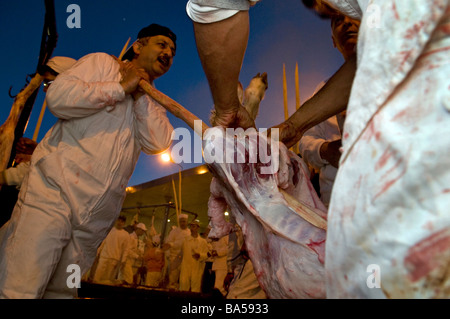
point(330, 100)
point(221, 47)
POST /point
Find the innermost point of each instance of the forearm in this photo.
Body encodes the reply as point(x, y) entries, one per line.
point(221, 47)
point(330, 100)
point(85, 89)
point(153, 128)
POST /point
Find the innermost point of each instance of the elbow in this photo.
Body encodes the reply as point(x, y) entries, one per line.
point(158, 148)
point(158, 144)
point(55, 103)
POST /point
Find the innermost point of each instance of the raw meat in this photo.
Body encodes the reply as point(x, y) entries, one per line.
point(287, 251)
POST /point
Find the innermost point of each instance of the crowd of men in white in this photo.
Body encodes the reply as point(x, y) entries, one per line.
point(133, 255)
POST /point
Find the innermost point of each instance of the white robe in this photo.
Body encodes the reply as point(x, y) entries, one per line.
point(388, 221)
point(74, 191)
point(112, 254)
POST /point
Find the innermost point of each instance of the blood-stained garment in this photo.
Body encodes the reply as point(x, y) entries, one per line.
point(74, 192)
point(388, 221)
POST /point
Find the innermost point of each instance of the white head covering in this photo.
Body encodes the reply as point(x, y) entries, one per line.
point(60, 63)
point(141, 226)
point(183, 216)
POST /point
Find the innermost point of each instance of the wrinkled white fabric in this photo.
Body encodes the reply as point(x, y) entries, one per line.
point(209, 11)
point(309, 148)
point(77, 179)
point(15, 175)
point(61, 63)
point(112, 254)
point(115, 245)
point(388, 222)
point(205, 14)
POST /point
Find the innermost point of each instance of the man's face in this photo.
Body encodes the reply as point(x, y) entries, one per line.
point(120, 224)
point(139, 231)
point(194, 228)
point(155, 56)
point(183, 223)
point(345, 34)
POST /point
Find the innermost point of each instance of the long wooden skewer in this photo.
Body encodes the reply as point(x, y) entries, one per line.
point(285, 97)
point(124, 49)
point(39, 122)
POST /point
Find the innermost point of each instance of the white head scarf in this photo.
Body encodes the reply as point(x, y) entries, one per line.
point(60, 63)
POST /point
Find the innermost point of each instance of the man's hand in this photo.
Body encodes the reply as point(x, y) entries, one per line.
point(234, 118)
point(25, 146)
point(288, 133)
point(130, 79)
point(330, 152)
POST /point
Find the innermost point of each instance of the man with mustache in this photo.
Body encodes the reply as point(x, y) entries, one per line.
point(320, 145)
point(389, 205)
point(76, 186)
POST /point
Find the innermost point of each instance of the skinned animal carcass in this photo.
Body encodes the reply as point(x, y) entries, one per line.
point(287, 250)
point(285, 238)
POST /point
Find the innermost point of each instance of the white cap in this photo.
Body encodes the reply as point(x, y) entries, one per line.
point(141, 226)
point(183, 216)
point(60, 63)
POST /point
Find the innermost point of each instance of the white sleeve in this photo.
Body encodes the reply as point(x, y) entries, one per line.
point(88, 87)
point(209, 11)
point(153, 128)
point(309, 147)
point(15, 175)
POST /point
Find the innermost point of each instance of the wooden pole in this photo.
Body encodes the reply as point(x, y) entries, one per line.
point(297, 88)
point(38, 125)
point(176, 200)
point(124, 49)
point(297, 101)
point(285, 98)
point(170, 105)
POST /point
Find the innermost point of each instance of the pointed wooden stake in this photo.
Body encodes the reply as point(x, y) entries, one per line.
point(124, 49)
point(285, 99)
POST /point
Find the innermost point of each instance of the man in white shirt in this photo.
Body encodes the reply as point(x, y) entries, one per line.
point(320, 145)
point(112, 253)
point(194, 252)
point(135, 254)
point(80, 170)
point(388, 212)
point(172, 247)
point(219, 254)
